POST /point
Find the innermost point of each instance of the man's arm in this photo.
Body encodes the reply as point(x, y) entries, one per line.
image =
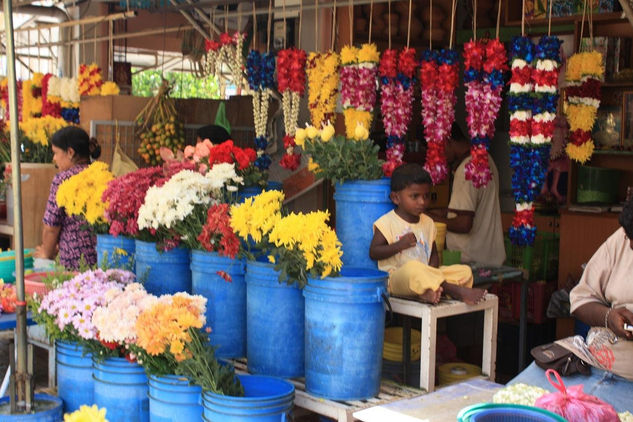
point(461, 223)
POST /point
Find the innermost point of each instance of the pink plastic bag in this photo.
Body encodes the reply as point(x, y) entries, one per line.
point(574, 405)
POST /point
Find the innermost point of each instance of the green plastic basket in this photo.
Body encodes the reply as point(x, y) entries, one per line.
point(467, 413)
point(540, 260)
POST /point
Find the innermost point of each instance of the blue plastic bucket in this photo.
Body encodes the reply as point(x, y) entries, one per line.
point(226, 300)
point(121, 387)
point(119, 249)
point(266, 399)
point(51, 410)
point(74, 375)
point(358, 205)
point(164, 272)
point(251, 191)
point(274, 323)
point(172, 398)
point(344, 333)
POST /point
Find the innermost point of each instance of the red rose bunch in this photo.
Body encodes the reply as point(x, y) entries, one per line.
point(217, 234)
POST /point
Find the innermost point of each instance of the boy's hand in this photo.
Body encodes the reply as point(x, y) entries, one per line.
point(407, 241)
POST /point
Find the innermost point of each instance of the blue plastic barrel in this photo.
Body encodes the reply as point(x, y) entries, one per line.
point(121, 387)
point(358, 204)
point(173, 399)
point(74, 375)
point(274, 323)
point(226, 300)
point(344, 333)
point(266, 399)
point(119, 249)
point(47, 409)
point(163, 272)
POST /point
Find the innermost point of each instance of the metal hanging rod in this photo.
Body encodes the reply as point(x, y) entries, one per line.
point(84, 21)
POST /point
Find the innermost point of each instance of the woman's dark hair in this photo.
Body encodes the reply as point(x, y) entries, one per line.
point(626, 218)
point(214, 133)
point(407, 175)
point(76, 138)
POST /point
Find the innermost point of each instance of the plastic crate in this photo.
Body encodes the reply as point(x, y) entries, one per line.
point(538, 296)
point(540, 260)
point(505, 292)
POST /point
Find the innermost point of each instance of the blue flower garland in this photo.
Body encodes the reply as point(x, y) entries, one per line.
point(260, 73)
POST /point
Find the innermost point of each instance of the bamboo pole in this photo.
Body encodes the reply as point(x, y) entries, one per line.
point(84, 21)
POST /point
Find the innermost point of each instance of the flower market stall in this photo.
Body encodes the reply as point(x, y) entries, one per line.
point(205, 298)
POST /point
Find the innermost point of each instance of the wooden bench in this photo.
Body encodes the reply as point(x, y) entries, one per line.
point(429, 314)
point(341, 411)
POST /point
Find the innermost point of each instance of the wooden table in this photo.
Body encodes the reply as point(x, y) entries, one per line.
point(429, 314)
point(442, 405)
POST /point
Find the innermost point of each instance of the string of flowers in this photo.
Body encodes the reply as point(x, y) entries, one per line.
point(583, 75)
point(397, 78)
point(322, 72)
point(439, 75)
point(69, 93)
point(4, 97)
point(260, 71)
point(51, 101)
point(32, 97)
point(358, 73)
point(89, 80)
point(484, 64)
point(291, 80)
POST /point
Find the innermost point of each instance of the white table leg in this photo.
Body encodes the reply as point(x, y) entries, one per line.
point(489, 353)
point(427, 356)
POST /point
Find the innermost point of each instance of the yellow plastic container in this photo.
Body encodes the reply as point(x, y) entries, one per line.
point(453, 372)
point(392, 348)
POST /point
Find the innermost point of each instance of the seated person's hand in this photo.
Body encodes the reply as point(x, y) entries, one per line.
point(407, 241)
point(617, 318)
point(40, 252)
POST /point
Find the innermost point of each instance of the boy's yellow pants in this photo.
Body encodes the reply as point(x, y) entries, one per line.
point(414, 278)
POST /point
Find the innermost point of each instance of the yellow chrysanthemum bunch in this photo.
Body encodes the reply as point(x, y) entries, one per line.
point(81, 194)
point(31, 105)
point(164, 327)
point(87, 414)
point(584, 73)
point(310, 234)
point(322, 72)
point(257, 216)
point(110, 88)
point(39, 129)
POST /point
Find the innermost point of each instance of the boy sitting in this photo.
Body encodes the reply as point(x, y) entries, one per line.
point(404, 245)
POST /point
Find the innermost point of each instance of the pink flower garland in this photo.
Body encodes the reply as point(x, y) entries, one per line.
point(438, 80)
point(397, 80)
point(484, 65)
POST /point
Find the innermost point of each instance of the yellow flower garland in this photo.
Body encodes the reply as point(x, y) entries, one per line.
point(322, 72)
point(31, 105)
point(81, 194)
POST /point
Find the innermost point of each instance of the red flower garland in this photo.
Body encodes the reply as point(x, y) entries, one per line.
point(291, 81)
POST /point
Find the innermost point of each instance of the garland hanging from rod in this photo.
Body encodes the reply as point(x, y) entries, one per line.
point(291, 79)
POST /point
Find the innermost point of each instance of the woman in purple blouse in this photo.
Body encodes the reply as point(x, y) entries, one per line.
point(72, 152)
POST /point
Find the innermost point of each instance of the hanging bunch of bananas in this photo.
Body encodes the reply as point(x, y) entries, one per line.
point(157, 125)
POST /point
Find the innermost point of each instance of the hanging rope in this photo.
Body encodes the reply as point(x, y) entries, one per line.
point(430, 25)
point(590, 22)
point(389, 19)
point(371, 17)
point(453, 10)
point(300, 21)
point(333, 38)
point(350, 11)
point(498, 19)
point(94, 45)
point(475, 20)
point(270, 13)
point(316, 25)
point(549, 21)
point(254, 27)
point(83, 44)
point(111, 52)
point(283, 7)
point(409, 26)
point(582, 24)
point(523, 18)
point(226, 18)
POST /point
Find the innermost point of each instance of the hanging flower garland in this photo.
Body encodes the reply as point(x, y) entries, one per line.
point(484, 64)
point(584, 73)
point(89, 80)
point(69, 93)
point(50, 100)
point(260, 71)
point(32, 97)
point(439, 75)
point(291, 80)
point(358, 72)
point(322, 72)
point(397, 78)
point(212, 47)
point(236, 62)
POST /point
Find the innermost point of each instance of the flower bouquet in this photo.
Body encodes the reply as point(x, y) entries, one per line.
point(66, 312)
point(81, 194)
point(171, 210)
point(8, 297)
point(298, 244)
point(339, 158)
point(205, 155)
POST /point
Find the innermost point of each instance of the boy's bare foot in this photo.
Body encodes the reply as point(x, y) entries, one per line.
point(465, 294)
point(431, 296)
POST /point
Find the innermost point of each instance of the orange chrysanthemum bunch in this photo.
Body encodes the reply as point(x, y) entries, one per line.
point(164, 329)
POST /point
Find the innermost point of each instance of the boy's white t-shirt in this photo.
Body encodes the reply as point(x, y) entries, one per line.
point(393, 227)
